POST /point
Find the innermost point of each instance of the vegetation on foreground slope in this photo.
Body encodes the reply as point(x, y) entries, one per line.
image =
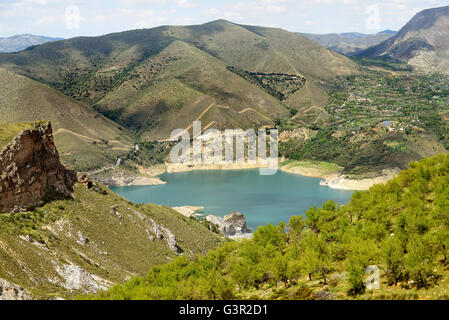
point(402, 227)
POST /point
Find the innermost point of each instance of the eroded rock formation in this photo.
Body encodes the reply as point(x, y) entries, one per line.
point(31, 171)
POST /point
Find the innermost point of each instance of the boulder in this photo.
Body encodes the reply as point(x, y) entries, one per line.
point(232, 225)
point(238, 221)
point(226, 227)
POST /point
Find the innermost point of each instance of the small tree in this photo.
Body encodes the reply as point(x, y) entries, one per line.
point(393, 252)
point(279, 268)
point(316, 258)
point(356, 272)
point(420, 264)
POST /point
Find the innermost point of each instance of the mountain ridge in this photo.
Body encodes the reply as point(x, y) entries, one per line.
point(350, 43)
point(422, 42)
point(23, 41)
point(92, 69)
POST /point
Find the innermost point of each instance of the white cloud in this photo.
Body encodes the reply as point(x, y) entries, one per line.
point(104, 16)
point(128, 3)
point(211, 12)
point(186, 4)
point(146, 24)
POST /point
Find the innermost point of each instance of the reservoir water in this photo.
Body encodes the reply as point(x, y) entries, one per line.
point(263, 199)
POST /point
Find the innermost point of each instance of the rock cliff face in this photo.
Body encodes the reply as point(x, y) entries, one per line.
point(31, 171)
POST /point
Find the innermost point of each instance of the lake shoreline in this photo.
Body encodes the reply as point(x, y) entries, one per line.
point(329, 173)
point(262, 199)
point(332, 178)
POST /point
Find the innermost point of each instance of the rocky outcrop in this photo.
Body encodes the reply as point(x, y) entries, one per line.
point(9, 291)
point(76, 278)
point(156, 231)
point(163, 233)
point(121, 178)
point(232, 225)
point(31, 171)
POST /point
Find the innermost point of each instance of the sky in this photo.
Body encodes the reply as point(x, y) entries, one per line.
point(70, 18)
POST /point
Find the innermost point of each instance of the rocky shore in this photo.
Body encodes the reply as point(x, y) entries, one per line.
point(332, 177)
point(125, 179)
point(118, 177)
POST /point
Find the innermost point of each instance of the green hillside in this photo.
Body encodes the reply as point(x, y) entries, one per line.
point(401, 227)
point(260, 49)
point(156, 80)
point(195, 86)
point(84, 138)
point(375, 120)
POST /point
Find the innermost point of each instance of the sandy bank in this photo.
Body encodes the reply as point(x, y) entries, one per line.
point(188, 211)
point(333, 179)
point(344, 183)
point(241, 236)
point(175, 167)
point(126, 180)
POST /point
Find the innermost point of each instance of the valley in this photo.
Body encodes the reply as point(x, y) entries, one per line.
point(350, 43)
point(92, 207)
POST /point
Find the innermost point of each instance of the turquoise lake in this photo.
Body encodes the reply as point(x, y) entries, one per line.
point(263, 199)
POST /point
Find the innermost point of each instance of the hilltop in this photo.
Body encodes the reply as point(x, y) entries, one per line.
point(422, 42)
point(23, 41)
point(155, 80)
